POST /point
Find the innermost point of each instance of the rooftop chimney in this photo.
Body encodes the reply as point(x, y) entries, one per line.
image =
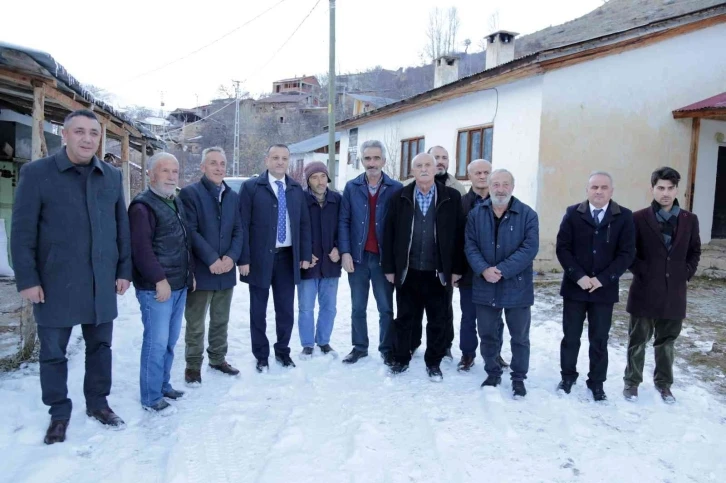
point(500, 48)
point(446, 70)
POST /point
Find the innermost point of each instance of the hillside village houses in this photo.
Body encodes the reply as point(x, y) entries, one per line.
point(613, 90)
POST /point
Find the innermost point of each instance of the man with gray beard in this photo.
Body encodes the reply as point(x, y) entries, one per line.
point(161, 250)
point(502, 239)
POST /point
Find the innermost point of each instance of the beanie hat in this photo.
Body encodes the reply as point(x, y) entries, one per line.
point(315, 167)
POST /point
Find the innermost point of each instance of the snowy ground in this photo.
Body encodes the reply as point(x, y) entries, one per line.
point(324, 421)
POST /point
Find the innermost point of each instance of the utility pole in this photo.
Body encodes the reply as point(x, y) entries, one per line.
point(331, 99)
point(235, 156)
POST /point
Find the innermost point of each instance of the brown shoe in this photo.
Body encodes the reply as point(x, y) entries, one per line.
point(225, 368)
point(666, 394)
point(106, 417)
point(56, 432)
point(192, 377)
point(630, 393)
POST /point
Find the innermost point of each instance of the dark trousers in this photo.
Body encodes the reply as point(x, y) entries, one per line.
point(283, 294)
point(641, 330)
point(417, 329)
point(422, 289)
point(599, 320)
point(468, 341)
point(54, 367)
point(518, 322)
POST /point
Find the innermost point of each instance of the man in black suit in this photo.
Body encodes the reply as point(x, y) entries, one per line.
point(595, 245)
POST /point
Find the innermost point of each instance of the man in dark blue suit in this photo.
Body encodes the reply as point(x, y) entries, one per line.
point(273, 207)
point(213, 218)
point(595, 245)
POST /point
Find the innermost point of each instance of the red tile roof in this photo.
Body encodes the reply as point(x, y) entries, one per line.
point(715, 102)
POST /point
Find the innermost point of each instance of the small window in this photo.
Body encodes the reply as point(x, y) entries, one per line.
point(409, 149)
point(473, 144)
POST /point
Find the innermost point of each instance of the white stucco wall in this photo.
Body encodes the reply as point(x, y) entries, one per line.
point(705, 186)
point(514, 111)
point(615, 113)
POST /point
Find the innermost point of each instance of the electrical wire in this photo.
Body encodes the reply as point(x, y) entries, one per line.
point(163, 66)
point(257, 71)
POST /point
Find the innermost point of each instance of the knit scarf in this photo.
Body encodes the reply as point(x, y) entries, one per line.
point(668, 221)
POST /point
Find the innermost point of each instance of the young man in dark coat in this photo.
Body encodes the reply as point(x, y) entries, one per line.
point(320, 281)
point(595, 246)
point(213, 218)
point(423, 256)
point(667, 252)
point(276, 244)
point(71, 253)
point(161, 248)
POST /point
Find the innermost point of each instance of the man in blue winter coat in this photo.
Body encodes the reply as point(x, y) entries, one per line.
point(502, 240)
point(276, 244)
point(595, 245)
point(362, 219)
point(321, 279)
point(213, 218)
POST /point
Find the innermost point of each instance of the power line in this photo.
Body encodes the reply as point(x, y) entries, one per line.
point(203, 46)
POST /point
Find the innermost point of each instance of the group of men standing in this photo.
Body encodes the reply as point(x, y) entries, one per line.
point(76, 247)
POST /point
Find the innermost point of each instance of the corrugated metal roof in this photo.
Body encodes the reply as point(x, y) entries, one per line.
point(715, 102)
point(376, 101)
point(42, 63)
point(311, 144)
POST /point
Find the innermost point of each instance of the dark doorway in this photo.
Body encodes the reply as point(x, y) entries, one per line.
point(719, 206)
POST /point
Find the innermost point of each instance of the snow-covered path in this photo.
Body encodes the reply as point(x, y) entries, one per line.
point(324, 421)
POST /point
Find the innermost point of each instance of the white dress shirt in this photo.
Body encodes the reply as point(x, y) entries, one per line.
point(288, 237)
point(600, 215)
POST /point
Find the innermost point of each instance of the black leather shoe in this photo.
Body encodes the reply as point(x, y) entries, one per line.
point(565, 385)
point(354, 356)
point(598, 393)
point(106, 417)
point(398, 368)
point(518, 389)
point(262, 366)
point(284, 360)
point(492, 381)
point(388, 358)
point(435, 373)
point(56, 432)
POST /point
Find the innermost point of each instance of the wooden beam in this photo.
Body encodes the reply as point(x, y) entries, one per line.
point(102, 145)
point(24, 78)
point(38, 131)
point(73, 105)
point(143, 165)
point(693, 162)
point(707, 113)
point(125, 169)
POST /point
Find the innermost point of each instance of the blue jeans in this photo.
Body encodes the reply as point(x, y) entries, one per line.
point(162, 325)
point(468, 341)
point(326, 291)
point(366, 273)
point(518, 321)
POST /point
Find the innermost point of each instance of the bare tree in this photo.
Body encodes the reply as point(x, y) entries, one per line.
point(441, 33)
point(492, 26)
point(392, 142)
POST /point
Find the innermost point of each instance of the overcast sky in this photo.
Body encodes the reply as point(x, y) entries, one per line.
point(114, 45)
